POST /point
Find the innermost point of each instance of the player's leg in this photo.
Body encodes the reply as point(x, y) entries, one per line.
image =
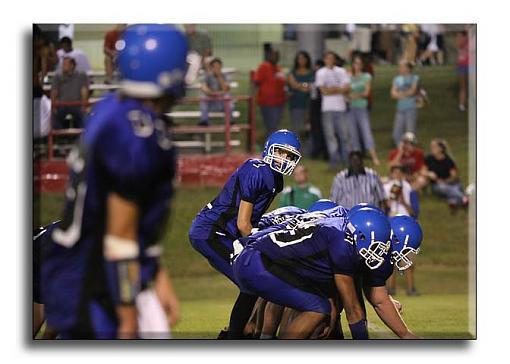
point(252, 327)
point(260, 318)
point(38, 318)
point(253, 276)
point(303, 325)
point(240, 315)
point(216, 248)
point(288, 315)
point(272, 317)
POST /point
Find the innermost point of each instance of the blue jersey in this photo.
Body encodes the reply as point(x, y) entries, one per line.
point(255, 182)
point(127, 150)
point(291, 216)
point(279, 215)
point(315, 249)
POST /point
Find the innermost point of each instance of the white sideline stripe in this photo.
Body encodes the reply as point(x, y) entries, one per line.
point(198, 85)
point(381, 332)
point(197, 143)
point(196, 114)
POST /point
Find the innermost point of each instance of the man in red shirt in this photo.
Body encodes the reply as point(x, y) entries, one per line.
point(271, 94)
point(110, 52)
point(411, 158)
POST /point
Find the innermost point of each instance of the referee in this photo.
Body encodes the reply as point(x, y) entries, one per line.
point(358, 184)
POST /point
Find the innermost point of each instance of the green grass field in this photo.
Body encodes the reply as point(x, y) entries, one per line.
point(442, 267)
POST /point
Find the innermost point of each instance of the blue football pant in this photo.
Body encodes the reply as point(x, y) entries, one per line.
point(253, 277)
point(217, 248)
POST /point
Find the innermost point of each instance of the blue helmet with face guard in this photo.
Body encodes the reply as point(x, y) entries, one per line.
point(371, 234)
point(406, 238)
point(282, 151)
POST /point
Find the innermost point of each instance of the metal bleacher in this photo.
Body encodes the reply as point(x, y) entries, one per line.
point(188, 136)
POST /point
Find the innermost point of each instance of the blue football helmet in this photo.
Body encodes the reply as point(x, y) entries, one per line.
point(282, 142)
point(152, 60)
point(370, 231)
point(406, 237)
point(361, 205)
point(321, 205)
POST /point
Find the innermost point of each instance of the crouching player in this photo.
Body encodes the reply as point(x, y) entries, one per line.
point(290, 266)
point(103, 257)
point(237, 209)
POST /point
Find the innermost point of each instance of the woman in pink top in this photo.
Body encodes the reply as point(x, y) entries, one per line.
point(462, 45)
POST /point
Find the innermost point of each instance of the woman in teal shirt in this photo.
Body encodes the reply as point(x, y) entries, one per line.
point(300, 80)
point(404, 90)
point(361, 83)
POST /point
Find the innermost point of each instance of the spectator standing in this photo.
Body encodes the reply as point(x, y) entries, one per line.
point(302, 194)
point(319, 149)
point(410, 43)
point(69, 86)
point(67, 50)
point(404, 90)
point(411, 158)
point(398, 193)
point(300, 80)
point(110, 52)
point(44, 59)
point(441, 171)
point(462, 45)
point(334, 83)
point(434, 49)
point(216, 84)
point(387, 42)
point(271, 93)
point(361, 85)
point(357, 184)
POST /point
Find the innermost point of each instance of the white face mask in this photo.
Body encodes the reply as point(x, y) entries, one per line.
point(284, 165)
point(401, 257)
point(375, 253)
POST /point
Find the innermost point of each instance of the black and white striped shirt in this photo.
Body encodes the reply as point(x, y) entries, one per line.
point(349, 189)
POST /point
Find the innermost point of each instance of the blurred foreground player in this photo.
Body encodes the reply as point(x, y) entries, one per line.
point(101, 276)
point(237, 210)
point(40, 244)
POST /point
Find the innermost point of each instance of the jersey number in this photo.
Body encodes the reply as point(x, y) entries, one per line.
point(284, 238)
point(69, 232)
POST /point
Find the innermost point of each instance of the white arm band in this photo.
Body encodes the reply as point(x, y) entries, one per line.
point(115, 248)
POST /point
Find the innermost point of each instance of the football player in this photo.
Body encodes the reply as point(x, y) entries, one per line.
point(103, 257)
point(237, 209)
point(294, 267)
point(274, 314)
point(39, 245)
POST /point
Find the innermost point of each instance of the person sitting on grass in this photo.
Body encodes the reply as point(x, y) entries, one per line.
point(441, 171)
